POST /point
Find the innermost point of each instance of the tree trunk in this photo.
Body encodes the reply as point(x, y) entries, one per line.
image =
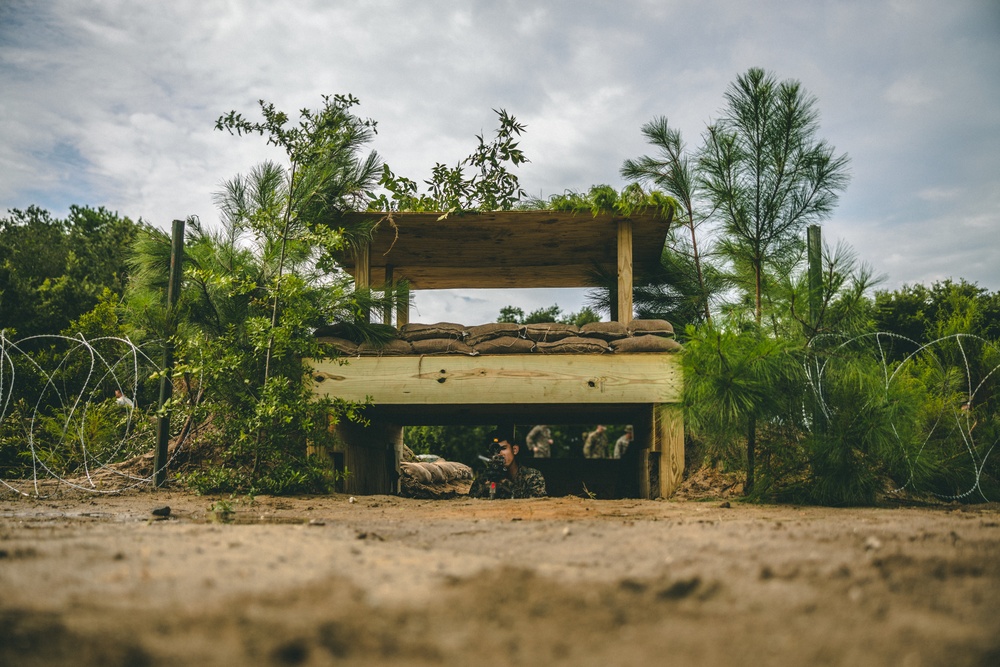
point(751, 454)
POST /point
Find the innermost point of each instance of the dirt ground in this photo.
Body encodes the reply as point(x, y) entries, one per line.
point(100, 580)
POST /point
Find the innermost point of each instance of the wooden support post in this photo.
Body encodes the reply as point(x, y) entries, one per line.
point(402, 306)
point(363, 271)
point(642, 443)
point(371, 457)
point(624, 271)
point(668, 444)
point(387, 296)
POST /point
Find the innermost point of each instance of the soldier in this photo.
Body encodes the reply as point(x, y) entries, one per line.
point(506, 476)
point(539, 440)
point(596, 444)
point(123, 400)
point(621, 445)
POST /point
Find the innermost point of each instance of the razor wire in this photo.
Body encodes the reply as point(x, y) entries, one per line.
point(76, 386)
point(960, 418)
point(70, 391)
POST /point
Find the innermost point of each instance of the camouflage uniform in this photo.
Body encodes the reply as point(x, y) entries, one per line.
point(621, 446)
point(596, 445)
point(528, 483)
point(538, 440)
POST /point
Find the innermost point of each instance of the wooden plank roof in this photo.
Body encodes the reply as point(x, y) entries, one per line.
point(505, 248)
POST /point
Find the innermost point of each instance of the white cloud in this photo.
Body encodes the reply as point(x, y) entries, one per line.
point(939, 194)
point(910, 91)
point(113, 103)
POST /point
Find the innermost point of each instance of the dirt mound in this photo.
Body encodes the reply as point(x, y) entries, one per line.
point(709, 483)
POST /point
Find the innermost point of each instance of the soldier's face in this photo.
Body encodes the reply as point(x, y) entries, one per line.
point(507, 451)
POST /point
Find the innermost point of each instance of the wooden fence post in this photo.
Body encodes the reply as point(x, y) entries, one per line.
point(167, 380)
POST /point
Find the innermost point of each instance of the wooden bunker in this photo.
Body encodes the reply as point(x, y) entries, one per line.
point(512, 250)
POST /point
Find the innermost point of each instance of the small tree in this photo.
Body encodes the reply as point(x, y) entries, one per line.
point(255, 291)
point(675, 173)
point(767, 176)
point(326, 175)
point(492, 186)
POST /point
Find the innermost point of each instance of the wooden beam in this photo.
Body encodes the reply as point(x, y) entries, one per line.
point(362, 271)
point(489, 275)
point(387, 296)
point(454, 414)
point(503, 379)
point(528, 249)
point(624, 271)
point(402, 306)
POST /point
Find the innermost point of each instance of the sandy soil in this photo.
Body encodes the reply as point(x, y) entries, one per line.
point(383, 580)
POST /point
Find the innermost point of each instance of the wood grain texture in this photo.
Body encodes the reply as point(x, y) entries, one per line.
point(668, 440)
point(504, 248)
point(503, 379)
point(624, 271)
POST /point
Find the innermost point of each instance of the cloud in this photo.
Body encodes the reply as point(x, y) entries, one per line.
point(113, 103)
point(910, 91)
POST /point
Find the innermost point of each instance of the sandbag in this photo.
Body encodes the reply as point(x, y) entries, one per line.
point(505, 345)
point(437, 474)
point(573, 345)
point(483, 332)
point(442, 346)
point(415, 331)
point(415, 471)
point(342, 345)
point(645, 343)
point(454, 470)
point(608, 331)
point(653, 327)
point(546, 332)
point(394, 348)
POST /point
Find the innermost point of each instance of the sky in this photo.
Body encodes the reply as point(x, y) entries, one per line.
point(113, 103)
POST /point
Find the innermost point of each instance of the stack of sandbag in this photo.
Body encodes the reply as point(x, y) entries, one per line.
point(432, 479)
point(647, 336)
point(436, 339)
point(445, 338)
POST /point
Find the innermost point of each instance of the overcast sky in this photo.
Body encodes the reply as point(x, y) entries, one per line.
point(114, 103)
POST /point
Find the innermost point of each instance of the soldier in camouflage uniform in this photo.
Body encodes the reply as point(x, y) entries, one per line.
point(622, 443)
point(539, 440)
point(519, 481)
point(596, 444)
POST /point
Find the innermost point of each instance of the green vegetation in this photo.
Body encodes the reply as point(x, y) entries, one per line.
point(799, 374)
point(786, 379)
point(551, 314)
point(53, 271)
point(490, 187)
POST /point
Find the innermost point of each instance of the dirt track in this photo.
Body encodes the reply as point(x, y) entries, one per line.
point(383, 580)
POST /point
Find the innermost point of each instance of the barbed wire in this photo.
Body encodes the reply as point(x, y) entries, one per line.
point(961, 416)
point(73, 391)
point(70, 412)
